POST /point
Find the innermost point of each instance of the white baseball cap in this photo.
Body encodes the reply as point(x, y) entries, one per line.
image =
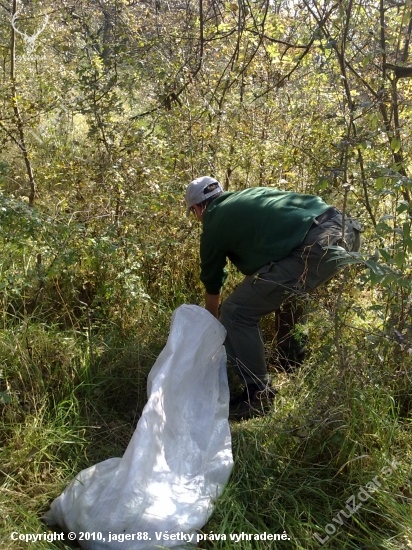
point(201, 189)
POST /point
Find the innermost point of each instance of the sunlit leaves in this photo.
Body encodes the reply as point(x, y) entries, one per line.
point(395, 144)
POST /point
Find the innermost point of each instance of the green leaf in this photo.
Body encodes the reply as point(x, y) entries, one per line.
point(366, 60)
point(408, 244)
point(389, 278)
point(403, 207)
point(400, 258)
point(385, 254)
point(374, 278)
point(373, 119)
point(379, 182)
point(5, 397)
point(395, 145)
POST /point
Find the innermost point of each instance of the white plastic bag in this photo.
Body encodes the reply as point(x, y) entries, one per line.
point(178, 459)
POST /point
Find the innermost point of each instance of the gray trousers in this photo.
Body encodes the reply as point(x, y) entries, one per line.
point(307, 267)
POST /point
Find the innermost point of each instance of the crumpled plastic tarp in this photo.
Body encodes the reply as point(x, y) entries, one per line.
point(179, 458)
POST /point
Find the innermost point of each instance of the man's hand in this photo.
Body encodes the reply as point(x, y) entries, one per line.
point(212, 302)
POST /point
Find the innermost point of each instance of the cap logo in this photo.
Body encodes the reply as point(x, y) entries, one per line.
point(211, 187)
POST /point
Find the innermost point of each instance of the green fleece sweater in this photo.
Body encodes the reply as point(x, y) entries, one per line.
point(252, 228)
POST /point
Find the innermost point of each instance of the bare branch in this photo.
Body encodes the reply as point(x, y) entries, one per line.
point(405, 53)
point(382, 37)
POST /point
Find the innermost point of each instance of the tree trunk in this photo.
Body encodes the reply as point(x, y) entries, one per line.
point(19, 121)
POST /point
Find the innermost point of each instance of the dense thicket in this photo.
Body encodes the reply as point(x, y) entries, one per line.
point(108, 108)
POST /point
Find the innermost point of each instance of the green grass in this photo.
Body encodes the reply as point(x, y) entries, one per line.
point(329, 434)
point(295, 470)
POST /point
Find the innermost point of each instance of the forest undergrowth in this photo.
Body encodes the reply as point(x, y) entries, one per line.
point(76, 348)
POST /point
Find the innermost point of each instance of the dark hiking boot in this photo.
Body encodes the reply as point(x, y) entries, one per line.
point(248, 391)
point(254, 401)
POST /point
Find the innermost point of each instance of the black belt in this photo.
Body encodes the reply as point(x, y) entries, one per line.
point(330, 213)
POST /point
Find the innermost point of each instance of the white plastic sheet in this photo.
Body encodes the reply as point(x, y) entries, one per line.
point(178, 459)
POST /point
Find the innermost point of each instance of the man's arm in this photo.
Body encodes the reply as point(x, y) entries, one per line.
point(212, 303)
